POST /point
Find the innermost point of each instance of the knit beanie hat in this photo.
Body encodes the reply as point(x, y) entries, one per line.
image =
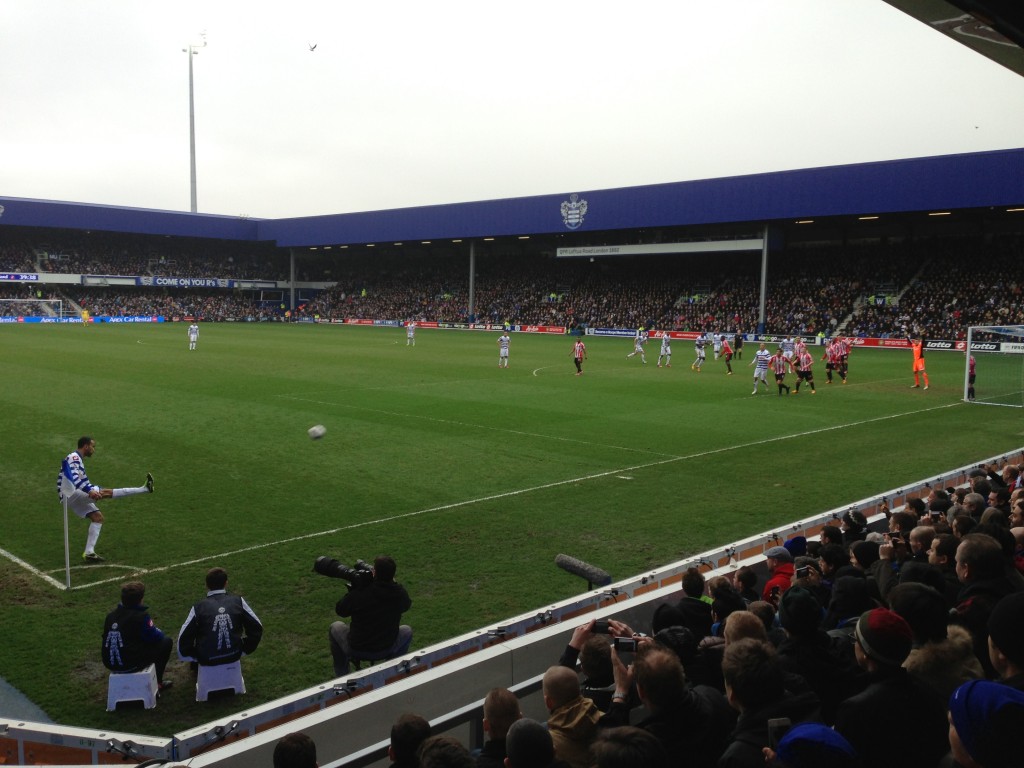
point(812, 745)
point(884, 636)
point(866, 553)
point(799, 611)
point(855, 520)
point(988, 718)
point(1006, 627)
point(796, 545)
point(680, 640)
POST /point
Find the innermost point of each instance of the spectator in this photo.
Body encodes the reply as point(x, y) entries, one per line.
point(904, 522)
point(741, 625)
point(593, 651)
point(755, 687)
point(974, 504)
point(780, 574)
point(726, 600)
point(407, 734)
point(813, 745)
point(797, 546)
point(835, 563)
point(529, 745)
point(692, 724)
point(864, 554)
point(376, 609)
point(131, 641)
point(501, 709)
point(985, 723)
point(920, 541)
point(850, 598)
point(942, 657)
point(766, 613)
point(883, 642)
point(854, 526)
point(444, 752)
point(573, 718)
point(831, 534)
point(699, 669)
point(693, 610)
point(221, 628)
point(296, 750)
point(1006, 640)
point(628, 747)
point(745, 580)
point(982, 571)
point(825, 662)
point(942, 555)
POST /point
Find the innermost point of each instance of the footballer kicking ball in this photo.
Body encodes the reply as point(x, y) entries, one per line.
point(317, 431)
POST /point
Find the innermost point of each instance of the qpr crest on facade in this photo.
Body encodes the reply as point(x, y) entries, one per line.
point(573, 211)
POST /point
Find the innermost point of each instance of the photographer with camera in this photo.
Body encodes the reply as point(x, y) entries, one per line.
point(375, 603)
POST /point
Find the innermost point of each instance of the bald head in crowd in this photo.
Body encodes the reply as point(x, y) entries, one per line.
point(560, 686)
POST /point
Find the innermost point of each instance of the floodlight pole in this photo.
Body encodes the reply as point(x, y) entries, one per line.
point(192, 50)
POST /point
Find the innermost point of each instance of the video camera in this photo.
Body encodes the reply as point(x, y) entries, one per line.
point(358, 576)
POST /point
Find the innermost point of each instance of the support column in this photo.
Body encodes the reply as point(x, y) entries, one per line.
point(472, 278)
point(764, 281)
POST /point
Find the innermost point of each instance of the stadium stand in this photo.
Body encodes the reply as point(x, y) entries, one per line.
point(860, 290)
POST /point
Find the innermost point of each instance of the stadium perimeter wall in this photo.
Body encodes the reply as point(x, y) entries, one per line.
point(445, 683)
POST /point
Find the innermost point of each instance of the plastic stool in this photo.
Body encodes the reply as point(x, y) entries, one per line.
point(219, 678)
point(132, 686)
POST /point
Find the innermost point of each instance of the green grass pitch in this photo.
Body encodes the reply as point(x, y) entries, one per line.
point(472, 477)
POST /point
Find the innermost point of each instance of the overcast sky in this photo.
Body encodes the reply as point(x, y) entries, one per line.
point(407, 102)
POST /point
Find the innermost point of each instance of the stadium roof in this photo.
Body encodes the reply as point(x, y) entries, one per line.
point(930, 185)
point(993, 28)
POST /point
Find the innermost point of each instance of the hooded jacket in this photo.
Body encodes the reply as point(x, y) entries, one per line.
point(573, 728)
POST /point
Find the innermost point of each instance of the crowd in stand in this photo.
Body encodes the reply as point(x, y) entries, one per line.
point(935, 288)
point(901, 648)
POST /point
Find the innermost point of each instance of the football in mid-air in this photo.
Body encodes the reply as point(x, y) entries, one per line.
point(317, 431)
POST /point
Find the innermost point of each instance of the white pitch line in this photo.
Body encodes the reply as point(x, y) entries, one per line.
point(509, 494)
point(31, 569)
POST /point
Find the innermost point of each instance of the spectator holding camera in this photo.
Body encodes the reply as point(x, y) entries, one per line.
point(692, 723)
point(590, 645)
point(375, 611)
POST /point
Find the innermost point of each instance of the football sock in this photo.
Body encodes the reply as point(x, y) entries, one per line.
point(92, 537)
point(118, 492)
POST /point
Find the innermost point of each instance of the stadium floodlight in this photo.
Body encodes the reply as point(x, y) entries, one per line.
point(192, 50)
point(998, 355)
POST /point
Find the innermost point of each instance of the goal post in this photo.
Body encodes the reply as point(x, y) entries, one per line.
point(31, 308)
point(994, 365)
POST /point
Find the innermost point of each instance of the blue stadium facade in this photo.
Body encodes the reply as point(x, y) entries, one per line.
point(969, 182)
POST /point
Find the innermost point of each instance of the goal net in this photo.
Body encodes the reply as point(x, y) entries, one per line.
point(994, 368)
point(31, 308)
